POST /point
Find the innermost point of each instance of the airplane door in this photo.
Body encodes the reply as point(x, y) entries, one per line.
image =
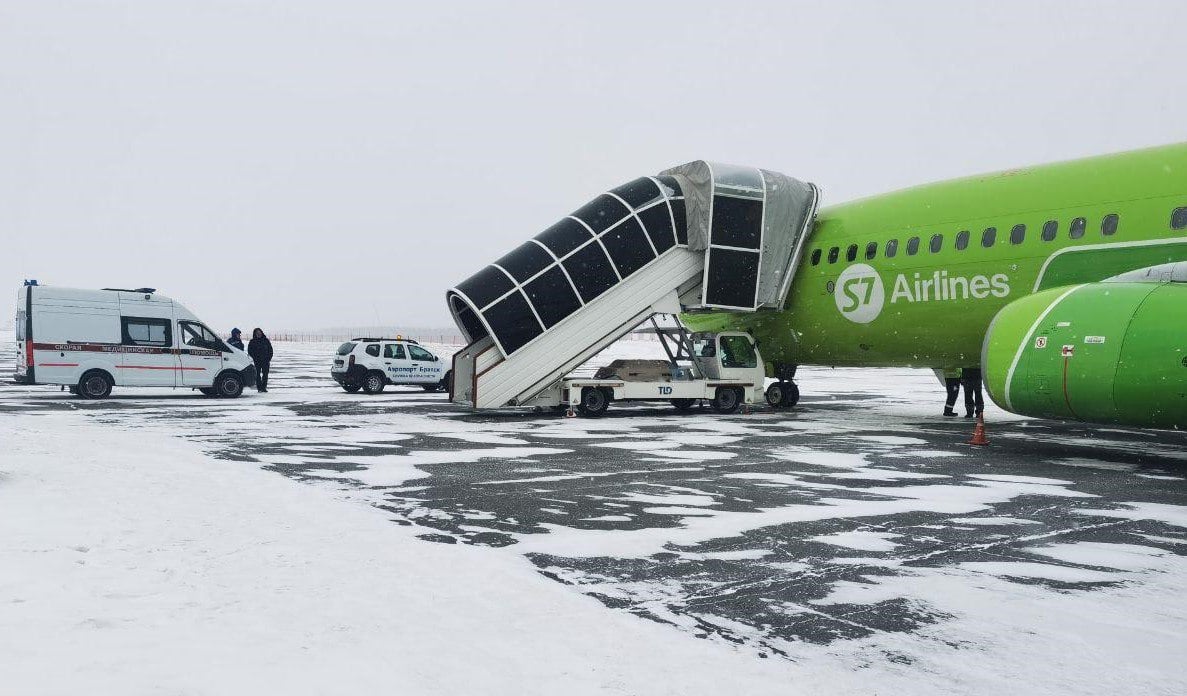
point(426, 369)
point(201, 354)
point(396, 363)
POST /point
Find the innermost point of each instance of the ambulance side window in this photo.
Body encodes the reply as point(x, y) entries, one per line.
point(20, 325)
point(419, 353)
point(393, 351)
point(137, 331)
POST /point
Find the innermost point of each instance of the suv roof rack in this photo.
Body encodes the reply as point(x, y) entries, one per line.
point(397, 338)
point(146, 291)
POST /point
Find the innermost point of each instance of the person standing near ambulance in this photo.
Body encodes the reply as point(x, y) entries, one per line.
point(260, 350)
point(236, 339)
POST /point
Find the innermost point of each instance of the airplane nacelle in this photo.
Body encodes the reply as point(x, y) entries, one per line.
point(1107, 352)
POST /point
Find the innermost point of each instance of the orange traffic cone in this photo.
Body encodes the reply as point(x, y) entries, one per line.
point(979, 433)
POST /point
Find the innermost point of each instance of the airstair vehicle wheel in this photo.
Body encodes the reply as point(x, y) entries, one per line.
point(727, 399)
point(593, 402)
point(94, 385)
point(684, 404)
point(373, 382)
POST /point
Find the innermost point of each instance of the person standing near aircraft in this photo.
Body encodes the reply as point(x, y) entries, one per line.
point(970, 380)
point(952, 385)
point(260, 350)
point(236, 339)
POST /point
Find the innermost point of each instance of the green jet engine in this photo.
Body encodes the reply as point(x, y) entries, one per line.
point(1107, 352)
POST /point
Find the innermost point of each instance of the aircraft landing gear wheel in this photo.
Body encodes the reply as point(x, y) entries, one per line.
point(684, 404)
point(783, 394)
point(727, 399)
point(593, 402)
point(94, 385)
point(373, 382)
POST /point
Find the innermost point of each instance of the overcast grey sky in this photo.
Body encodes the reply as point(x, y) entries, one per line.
point(309, 164)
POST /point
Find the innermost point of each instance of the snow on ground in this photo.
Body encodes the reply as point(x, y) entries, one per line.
point(315, 542)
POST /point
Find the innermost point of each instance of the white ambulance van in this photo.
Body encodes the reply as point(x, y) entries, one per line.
point(93, 340)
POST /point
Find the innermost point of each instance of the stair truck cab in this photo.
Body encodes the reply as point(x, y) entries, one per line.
point(93, 340)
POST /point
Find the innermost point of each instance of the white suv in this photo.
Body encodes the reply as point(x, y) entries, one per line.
point(371, 364)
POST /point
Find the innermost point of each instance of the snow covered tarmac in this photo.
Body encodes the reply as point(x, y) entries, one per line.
point(314, 541)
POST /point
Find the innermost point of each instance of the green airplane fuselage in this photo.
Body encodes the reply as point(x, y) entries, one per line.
point(913, 278)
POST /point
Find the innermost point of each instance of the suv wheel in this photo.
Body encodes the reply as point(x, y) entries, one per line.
point(374, 382)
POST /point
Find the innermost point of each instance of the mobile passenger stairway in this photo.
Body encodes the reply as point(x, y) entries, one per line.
point(701, 236)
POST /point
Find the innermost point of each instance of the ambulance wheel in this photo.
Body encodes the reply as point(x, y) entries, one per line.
point(783, 395)
point(727, 399)
point(593, 402)
point(228, 385)
point(95, 384)
point(373, 382)
point(352, 388)
point(684, 404)
point(208, 391)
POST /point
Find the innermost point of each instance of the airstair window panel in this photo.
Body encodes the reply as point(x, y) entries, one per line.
point(737, 222)
point(628, 247)
point(512, 322)
point(681, 221)
point(474, 328)
point(564, 236)
point(486, 286)
point(639, 193)
point(602, 213)
point(525, 261)
point(591, 272)
point(658, 223)
point(552, 296)
point(731, 278)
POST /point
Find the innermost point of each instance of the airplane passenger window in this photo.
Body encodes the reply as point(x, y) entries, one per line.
point(1077, 229)
point(912, 246)
point(815, 257)
point(936, 243)
point(988, 237)
point(1179, 218)
point(891, 248)
point(851, 252)
point(1017, 234)
point(833, 254)
point(1050, 229)
point(962, 240)
point(1108, 226)
point(871, 250)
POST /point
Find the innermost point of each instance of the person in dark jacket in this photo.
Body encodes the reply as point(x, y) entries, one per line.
point(952, 386)
point(236, 339)
point(260, 350)
point(970, 381)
